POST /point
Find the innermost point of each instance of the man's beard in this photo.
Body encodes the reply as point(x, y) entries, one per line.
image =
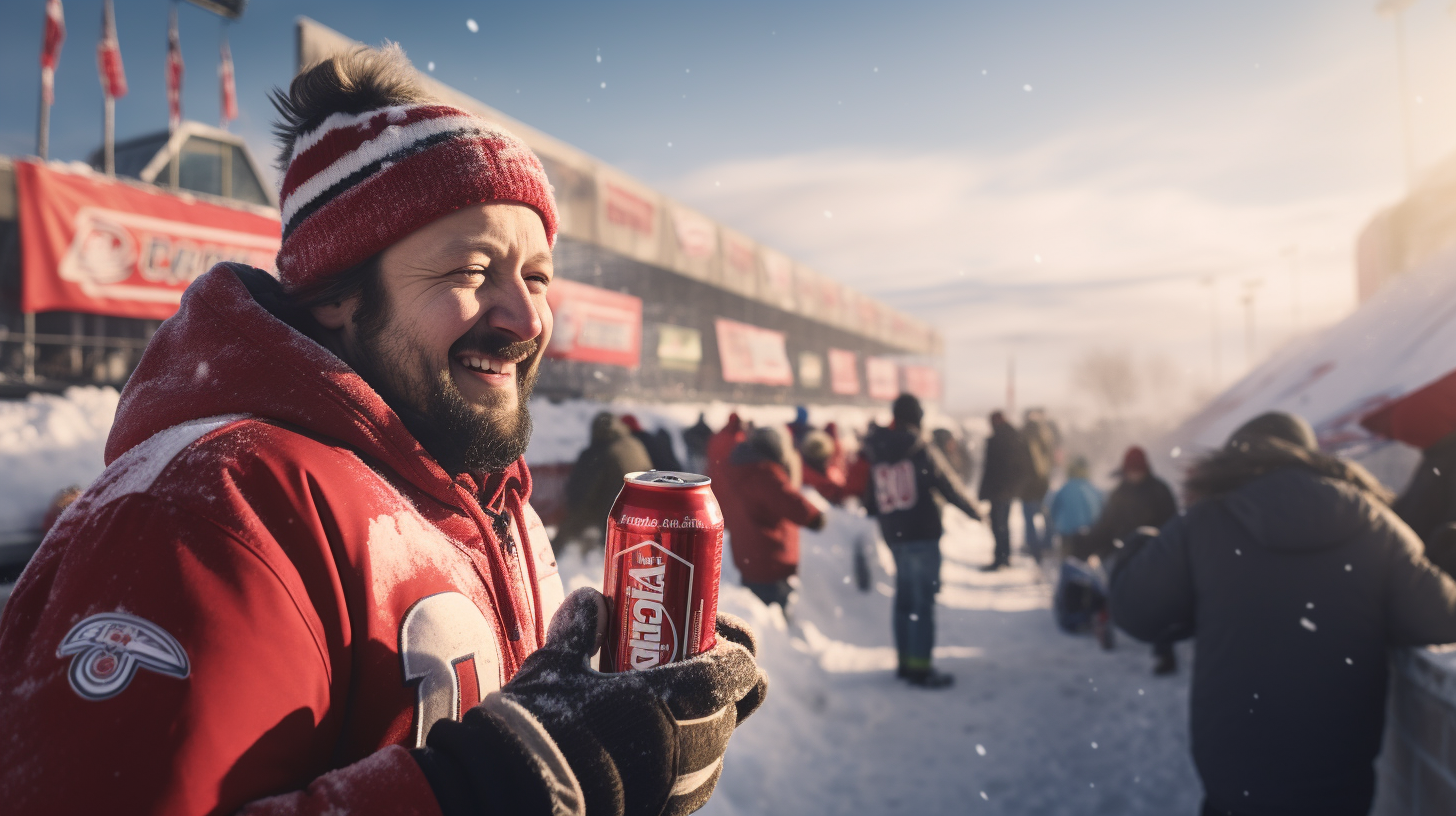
point(463, 438)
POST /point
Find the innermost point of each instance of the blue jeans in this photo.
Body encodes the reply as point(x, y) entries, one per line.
point(1030, 509)
point(917, 579)
point(1001, 529)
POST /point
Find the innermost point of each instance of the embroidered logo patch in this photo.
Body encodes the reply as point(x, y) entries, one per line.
point(109, 648)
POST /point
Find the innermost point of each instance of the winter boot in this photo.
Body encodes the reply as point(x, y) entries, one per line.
point(930, 678)
point(1102, 629)
point(1167, 661)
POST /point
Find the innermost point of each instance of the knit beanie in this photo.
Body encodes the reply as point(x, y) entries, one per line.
point(359, 182)
point(907, 411)
point(1135, 461)
point(1278, 425)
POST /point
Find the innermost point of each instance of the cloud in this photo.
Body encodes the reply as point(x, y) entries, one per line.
point(1102, 237)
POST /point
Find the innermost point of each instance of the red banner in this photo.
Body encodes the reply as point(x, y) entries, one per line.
point(923, 382)
point(594, 325)
point(750, 354)
point(882, 376)
point(96, 245)
point(843, 372)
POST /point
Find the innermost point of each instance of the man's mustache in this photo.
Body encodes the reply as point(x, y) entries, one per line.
point(496, 346)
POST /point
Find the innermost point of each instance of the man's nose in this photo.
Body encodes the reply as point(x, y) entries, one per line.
point(509, 308)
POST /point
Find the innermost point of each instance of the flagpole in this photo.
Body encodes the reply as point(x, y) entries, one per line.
point(109, 136)
point(43, 129)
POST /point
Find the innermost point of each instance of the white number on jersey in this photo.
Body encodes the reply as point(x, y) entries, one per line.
point(450, 649)
point(895, 486)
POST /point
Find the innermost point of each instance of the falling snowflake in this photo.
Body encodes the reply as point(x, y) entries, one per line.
point(1238, 551)
point(1036, 258)
point(1140, 692)
point(846, 579)
point(828, 214)
point(1094, 746)
point(430, 66)
point(984, 796)
point(1308, 624)
point(472, 25)
point(604, 85)
point(599, 59)
point(1026, 88)
point(914, 616)
point(1348, 568)
point(669, 144)
point(1176, 452)
point(980, 749)
point(1349, 662)
point(1309, 605)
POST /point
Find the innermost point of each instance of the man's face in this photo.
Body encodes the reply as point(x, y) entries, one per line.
point(453, 337)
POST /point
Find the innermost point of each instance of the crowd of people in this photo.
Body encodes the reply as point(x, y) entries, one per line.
point(1295, 570)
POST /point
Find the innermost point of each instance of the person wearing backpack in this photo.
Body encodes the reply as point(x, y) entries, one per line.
point(908, 480)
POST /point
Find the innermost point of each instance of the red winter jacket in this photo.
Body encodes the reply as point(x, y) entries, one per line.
point(272, 591)
point(763, 513)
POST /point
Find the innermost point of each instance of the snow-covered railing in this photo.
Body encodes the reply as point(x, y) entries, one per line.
point(1418, 766)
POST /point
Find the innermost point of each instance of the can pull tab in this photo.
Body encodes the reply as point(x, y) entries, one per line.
point(668, 478)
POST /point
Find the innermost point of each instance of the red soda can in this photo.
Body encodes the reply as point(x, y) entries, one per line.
point(663, 561)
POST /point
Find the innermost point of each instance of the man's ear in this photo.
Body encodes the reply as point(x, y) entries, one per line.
point(335, 316)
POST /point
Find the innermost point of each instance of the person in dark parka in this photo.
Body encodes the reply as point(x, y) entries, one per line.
point(596, 478)
point(1296, 579)
point(658, 444)
point(908, 481)
point(1139, 500)
point(1008, 468)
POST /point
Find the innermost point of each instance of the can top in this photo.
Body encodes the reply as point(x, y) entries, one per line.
point(667, 478)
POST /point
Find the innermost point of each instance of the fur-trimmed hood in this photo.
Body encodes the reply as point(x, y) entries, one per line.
point(1288, 497)
point(1239, 463)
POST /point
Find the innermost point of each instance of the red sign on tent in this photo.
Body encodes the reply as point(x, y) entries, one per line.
point(96, 245)
point(881, 375)
point(843, 372)
point(750, 354)
point(595, 325)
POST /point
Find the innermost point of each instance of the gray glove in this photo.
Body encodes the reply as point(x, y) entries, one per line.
point(640, 743)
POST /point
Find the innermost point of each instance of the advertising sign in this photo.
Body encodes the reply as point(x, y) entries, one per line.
point(750, 354)
point(96, 245)
point(882, 377)
point(811, 370)
point(679, 348)
point(923, 381)
point(843, 372)
point(595, 325)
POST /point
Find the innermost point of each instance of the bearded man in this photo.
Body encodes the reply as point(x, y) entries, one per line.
point(309, 580)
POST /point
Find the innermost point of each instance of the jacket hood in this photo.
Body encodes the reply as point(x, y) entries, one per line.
point(224, 353)
point(892, 444)
point(607, 429)
point(764, 444)
point(1288, 497)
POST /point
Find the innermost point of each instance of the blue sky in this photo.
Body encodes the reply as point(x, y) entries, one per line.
point(1036, 178)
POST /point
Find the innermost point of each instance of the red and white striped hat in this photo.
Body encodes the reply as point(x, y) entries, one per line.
point(359, 182)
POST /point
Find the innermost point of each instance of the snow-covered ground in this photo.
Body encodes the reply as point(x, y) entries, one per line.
point(49, 442)
point(1037, 722)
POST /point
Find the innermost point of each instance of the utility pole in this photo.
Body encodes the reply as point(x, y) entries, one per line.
point(1211, 282)
point(1291, 254)
point(1395, 9)
point(1010, 386)
point(1251, 287)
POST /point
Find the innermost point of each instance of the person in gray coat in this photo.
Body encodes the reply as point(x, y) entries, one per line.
point(1297, 578)
point(596, 479)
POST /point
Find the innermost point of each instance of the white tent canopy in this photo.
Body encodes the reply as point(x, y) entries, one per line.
point(1401, 340)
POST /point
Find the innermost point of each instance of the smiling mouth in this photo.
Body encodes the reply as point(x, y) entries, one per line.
point(486, 365)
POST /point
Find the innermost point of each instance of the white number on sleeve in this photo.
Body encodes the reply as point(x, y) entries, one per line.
point(444, 640)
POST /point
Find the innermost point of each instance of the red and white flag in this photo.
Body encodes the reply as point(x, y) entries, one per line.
point(229, 90)
point(50, 52)
point(174, 73)
point(108, 56)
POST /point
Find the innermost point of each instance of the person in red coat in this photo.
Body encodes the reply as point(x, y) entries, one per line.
point(763, 512)
point(310, 580)
point(722, 443)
